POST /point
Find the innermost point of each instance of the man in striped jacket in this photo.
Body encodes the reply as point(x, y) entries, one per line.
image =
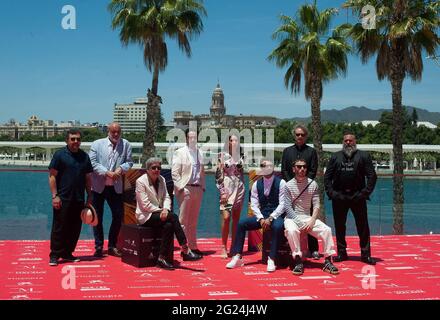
point(300, 194)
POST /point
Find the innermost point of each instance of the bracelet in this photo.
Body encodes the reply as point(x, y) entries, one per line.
point(55, 196)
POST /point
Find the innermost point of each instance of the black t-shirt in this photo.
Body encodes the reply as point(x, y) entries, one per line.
point(72, 168)
point(347, 177)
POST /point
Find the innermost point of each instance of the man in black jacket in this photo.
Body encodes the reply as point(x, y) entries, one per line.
point(300, 150)
point(346, 186)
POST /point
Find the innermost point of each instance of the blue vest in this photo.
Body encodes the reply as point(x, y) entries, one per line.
point(270, 203)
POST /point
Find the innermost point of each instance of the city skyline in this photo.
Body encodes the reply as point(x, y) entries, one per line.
point(80, 74)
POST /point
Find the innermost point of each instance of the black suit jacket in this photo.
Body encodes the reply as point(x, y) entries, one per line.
point(293, 153)
point(365, 178)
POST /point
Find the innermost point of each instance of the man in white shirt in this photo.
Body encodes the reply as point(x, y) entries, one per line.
point(300, 194)
point(267, 203)
point(189, 184)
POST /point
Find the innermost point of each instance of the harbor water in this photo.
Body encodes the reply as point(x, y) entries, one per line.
point(26, 212)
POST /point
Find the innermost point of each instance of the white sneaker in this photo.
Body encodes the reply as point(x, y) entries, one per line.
point(236, 261)
point(270, 265)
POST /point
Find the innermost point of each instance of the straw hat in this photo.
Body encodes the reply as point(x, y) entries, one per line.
point(89, 216)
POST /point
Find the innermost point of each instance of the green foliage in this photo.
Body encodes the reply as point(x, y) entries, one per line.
point(6, 137)
point(92, 134)
point(380, 134)
point(30, 137)
point(283, 132)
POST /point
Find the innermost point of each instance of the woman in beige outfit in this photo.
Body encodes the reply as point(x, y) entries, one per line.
point(230, 182)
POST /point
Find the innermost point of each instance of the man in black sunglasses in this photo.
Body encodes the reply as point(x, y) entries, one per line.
point(301, 195)
point(300, 150)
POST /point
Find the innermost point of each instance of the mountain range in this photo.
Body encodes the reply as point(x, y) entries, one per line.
point(357, 114)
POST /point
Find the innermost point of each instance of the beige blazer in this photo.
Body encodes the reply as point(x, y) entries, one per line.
point(147, 200)
point(181, 169)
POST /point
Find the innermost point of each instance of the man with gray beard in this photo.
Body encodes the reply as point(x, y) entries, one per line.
point(349, 180)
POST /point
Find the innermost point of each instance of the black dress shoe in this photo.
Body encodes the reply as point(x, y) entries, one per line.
point(368, 260)
point(197, 251)
point(70, 258)
point(162, 263)
point(114, 252)
point(190, 256)
point(340, 257)
point(98, 253)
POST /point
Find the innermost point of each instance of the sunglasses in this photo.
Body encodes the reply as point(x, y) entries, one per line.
point(75, 139)
point(301, 166)
point(263, 165)
point(300, 134)
point(156, 168)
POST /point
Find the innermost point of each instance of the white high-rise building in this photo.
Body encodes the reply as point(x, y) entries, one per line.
point(132, 116)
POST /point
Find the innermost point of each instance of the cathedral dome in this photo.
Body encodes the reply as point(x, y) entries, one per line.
point(218, 108)
point(218, 92)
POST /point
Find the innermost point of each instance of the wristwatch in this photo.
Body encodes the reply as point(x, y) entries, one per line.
point(270, 219)
point(55, 196)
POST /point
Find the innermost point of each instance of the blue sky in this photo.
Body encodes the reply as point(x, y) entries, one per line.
point(79, 74)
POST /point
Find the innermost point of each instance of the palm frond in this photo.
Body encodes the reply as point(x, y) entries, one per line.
point(149, 22)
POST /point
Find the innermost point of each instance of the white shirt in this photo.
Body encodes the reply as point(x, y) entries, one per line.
point(111, 160)
point(195, 176)
point(255, 203)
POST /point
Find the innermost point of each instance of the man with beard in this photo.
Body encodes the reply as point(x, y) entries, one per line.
point(349, 180)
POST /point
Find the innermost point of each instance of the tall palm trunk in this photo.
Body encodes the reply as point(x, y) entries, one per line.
point(153, 112)
point(315, 95)
point(397, 77)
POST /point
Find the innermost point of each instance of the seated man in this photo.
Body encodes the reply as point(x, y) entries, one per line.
point(300, 194)
point(267, 205)
point(153, 210)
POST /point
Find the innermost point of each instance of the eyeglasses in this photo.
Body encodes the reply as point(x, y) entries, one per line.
point(300, 166)
point(156, 168)
point(75, 139)
point(300, 134)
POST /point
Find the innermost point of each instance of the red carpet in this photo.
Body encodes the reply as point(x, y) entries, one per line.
point(408, 268)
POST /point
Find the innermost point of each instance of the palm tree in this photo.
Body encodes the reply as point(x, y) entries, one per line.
point(149, 23)
point(403, 29)
point(308, 50)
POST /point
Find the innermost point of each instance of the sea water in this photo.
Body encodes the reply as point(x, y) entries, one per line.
point(26, 211)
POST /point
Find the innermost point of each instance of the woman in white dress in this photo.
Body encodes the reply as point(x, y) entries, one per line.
point(230, 182)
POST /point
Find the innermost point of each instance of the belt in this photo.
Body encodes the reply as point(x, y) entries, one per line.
point(193, 185)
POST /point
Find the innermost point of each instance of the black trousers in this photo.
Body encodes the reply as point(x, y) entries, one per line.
point(66, 228)
point(116, 205)
point(359, 210)
point(170, 227)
